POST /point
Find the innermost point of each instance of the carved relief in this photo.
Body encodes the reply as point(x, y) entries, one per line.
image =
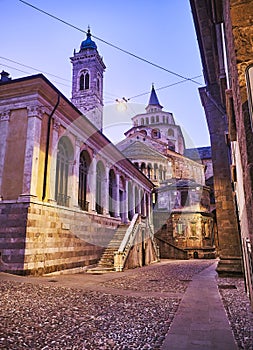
point(35, 111)
point(5, 115)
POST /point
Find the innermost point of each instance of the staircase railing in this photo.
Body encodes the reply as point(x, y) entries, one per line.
point(136, 225)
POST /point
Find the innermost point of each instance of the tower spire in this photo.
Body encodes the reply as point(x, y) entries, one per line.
point(153, 100)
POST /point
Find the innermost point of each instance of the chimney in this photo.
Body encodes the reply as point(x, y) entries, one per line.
point(4, 77)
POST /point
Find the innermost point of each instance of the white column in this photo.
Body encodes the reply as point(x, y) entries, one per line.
point(4, 126)
point(92, 183)
point(144, 204)
point(75, 177)
point(126, 201)
point(31, 161)
point(133, 199)
point(54, 147)
point(117, 199)
point(106, 189)
point(139, 200)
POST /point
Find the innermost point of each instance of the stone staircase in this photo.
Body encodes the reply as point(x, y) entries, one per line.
point(106, 262)
point(107, 259)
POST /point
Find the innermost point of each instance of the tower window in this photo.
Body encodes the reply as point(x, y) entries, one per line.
point(84, 81)
point(87, 81)
point(81, 82)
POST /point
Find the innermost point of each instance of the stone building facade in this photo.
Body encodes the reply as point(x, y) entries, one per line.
point(183, 222)
point(224, 31)
point(65, 189)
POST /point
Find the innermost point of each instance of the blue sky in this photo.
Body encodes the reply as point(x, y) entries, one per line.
point(160, 31)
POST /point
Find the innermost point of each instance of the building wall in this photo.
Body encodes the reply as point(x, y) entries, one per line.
point(208, 17)
point(13, 169)
point(40, 232)
point(38, 238)
point(238, 23)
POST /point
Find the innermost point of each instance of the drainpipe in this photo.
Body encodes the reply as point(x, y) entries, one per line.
point(47, 148)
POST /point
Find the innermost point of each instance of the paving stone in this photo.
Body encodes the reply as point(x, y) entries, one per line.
point(130, 310)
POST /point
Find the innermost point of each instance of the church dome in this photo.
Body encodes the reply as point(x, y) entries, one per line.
point(88, 43)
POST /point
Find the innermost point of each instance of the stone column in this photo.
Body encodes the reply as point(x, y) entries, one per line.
point(137, 200)
point(4, 125)
point(75, 177)
point(31, 161)
point(54, 147)
point(106, 189)
point(92, 183)
point(126, 204)
point(117, 199)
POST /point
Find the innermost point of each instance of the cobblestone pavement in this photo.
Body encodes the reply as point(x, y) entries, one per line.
point(132, 310)
point(238, 310)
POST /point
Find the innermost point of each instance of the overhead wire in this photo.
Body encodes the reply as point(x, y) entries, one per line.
point(110, 95)
point(109, 43)
point(163, 87)
point(41, 71)
point(20, 70)
point(26, 66)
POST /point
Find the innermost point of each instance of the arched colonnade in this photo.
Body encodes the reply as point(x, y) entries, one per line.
point(85, 178)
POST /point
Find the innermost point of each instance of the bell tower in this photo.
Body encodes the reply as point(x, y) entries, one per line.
point(87, 81)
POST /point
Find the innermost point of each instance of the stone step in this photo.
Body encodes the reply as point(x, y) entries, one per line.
point(99, 270)
point(107, 259)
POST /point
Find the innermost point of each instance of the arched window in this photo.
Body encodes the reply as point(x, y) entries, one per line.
point(155, 171)
point(143, 168)
point(157, 118)
point(84, 81)
point(161, 172)
point(81, 82)
point(64, 156)
point(87, 81)
point(171, 132)
point(149, 170)
point(184, 198)
point(156, 134)
point(83, 180)
point(143, 132)
point(112, 193)
point(152, 120)
point(100, 174)
point(147, 120)
point(142, 121)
